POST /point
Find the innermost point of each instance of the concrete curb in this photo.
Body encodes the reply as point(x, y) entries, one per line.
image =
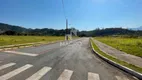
point(125, 69)
point(10, 47)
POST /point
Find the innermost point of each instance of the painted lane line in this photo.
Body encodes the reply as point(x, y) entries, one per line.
point(6, 65)
point(15, 72)
point(66, 75)
point(22, 53)
point(121, 78)
point(39, 73)
point(93, 76)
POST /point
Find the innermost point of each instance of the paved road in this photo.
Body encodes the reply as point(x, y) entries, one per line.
point(74, 61)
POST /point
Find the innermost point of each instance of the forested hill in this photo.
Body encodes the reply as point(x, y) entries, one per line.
point(6, 29)
point(114, 31)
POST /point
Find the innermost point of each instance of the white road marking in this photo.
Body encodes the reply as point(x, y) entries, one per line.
point(39, 74)
point(22, 53)
point(93, 76)
point(121, 78)
point(66, 75)
point(15, 72)
point(6, 65)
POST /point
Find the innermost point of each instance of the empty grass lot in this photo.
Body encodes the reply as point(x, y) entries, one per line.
point(10, 40)
point(129, 45)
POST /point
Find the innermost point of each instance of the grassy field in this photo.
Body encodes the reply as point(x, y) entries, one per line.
point(133, 67)
point(10, 40)
point(129, 45)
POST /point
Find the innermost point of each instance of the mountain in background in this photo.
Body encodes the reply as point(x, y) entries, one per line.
point(6, 29)
point(139, 28)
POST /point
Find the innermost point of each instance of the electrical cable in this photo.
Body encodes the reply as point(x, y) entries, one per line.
point(64, 9)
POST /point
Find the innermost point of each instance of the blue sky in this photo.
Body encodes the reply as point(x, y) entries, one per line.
point(82, 14)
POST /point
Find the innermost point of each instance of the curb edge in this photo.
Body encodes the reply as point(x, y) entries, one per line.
point(125, 69)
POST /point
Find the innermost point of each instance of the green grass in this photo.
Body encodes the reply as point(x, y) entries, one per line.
point(129, 45)
point(133, 67)
point(11, 40)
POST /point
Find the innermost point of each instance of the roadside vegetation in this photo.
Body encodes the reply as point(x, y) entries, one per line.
point(133, 67)
point(11, 40)
point(129, 45)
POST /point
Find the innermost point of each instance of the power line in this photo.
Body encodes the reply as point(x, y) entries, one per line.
point(64, 9)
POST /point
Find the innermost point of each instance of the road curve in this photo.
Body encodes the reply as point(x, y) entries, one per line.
point(58, 61)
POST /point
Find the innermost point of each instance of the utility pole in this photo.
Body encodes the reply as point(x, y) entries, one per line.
point(66, 29)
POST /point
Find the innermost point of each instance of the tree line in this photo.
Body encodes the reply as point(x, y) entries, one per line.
point(6, 29)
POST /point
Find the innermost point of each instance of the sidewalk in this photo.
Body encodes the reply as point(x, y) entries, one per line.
point(119, 54)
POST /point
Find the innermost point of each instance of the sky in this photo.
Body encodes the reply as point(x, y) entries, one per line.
point(81, 14)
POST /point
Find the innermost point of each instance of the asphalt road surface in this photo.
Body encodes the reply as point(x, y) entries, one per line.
point(58, 61)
